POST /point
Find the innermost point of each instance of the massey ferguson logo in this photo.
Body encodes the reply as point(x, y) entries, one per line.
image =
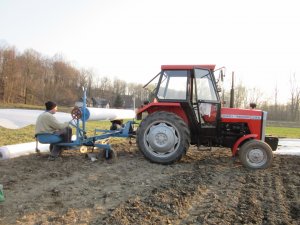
point(246, 117)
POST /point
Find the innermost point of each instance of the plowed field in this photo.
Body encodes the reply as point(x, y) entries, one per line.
point(206, 187)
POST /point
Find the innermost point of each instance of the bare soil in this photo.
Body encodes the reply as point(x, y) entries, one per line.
point(206, 187)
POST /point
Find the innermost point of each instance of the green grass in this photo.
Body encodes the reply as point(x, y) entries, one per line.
point(26, 134)
point(37, 107)
point(20, 106)
point(15, 136)
point(286, 132)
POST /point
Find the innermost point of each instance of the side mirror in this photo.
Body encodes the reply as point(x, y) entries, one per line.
point(222, 75)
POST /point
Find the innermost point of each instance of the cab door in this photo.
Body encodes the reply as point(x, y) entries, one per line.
point(207, 100)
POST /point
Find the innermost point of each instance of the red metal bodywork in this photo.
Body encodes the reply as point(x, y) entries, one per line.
point(188, 67)
point(164, 106)
point(241, 140)
point(253, 118)
point(228, 115)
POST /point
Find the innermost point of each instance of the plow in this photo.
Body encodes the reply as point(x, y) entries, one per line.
point(99, 140)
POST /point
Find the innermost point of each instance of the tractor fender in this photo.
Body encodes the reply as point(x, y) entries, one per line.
point(173, 107)
point(241, 140)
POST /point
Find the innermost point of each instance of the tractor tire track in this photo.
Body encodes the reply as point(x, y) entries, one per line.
point(216, 192)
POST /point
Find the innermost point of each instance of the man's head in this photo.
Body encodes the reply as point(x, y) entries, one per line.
point(51, 106)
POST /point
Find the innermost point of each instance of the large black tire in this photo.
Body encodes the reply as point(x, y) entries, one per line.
point(163, 137)
point(256, 154)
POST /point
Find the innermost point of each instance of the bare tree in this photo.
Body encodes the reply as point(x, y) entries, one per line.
point(276, 99)
point(119, 86)
point(240, 97)
point(31, 69)
point(9, 75)
point(105, 89)
point(295, 98)
point(255, 95)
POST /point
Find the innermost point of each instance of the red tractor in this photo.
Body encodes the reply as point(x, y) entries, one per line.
point(186, 110)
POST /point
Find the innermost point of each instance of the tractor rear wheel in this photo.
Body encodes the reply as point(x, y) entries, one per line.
point(256, 154)
point(163, 137)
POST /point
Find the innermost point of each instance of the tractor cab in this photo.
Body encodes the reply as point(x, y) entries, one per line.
point(195, 85)
point(194, 88)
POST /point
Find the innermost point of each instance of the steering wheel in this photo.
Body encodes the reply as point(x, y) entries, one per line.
point(76, 113)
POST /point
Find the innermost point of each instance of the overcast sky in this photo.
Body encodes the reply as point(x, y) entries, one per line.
point(130, 39)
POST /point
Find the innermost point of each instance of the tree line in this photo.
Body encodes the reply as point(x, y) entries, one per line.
point(288, 111)
point(31, 78)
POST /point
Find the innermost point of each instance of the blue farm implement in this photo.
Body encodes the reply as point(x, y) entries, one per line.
point(99, 140)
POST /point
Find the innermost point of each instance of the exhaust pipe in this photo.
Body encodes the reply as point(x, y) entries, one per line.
point(232, 92)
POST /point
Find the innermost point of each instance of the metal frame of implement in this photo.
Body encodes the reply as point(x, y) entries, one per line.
point(79, 120)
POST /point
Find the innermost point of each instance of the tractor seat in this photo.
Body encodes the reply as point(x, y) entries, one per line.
point(48, 138)
point(209, 114)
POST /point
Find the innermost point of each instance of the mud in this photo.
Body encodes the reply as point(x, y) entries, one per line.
point(206, 187)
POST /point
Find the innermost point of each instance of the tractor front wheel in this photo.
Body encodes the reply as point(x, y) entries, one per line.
point(256, 154)
point(163, 137)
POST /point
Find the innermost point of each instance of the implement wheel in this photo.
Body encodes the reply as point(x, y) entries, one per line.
point(256, 154)
point(163, 137)
point(83, 149)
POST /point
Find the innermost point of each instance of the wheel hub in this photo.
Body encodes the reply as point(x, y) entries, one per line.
point(256, 156)
point(162, 138)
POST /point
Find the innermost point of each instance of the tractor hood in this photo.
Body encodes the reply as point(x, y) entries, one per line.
point(255, 119)
point(231, 114)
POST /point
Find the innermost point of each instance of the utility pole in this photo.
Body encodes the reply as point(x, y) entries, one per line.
point(232, 92)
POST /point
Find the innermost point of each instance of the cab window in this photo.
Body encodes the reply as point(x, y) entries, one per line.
point(205, 87)
point(173, 85)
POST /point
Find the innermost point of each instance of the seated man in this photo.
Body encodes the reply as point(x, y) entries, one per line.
point(47, 123)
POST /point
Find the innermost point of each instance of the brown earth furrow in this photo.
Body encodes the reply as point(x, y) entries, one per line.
point(87, 186)
point(198, 200)
point(290, 184)
point(205, 187)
